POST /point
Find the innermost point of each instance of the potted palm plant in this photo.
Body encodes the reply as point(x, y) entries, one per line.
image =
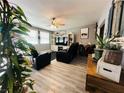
point(13, 76)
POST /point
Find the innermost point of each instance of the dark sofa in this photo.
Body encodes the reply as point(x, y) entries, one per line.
point(40, 61)
point(87, 49)
point(67, 56)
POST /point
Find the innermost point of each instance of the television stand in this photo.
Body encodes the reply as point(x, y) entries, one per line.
point(58, 47)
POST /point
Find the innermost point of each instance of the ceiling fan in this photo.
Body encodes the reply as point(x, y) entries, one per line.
point(56, 23)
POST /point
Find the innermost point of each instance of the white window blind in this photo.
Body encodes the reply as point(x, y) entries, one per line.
point(44, 37)
point(32, 37)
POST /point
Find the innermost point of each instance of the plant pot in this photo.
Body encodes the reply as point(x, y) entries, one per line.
point(98, 53)
point(113, 57)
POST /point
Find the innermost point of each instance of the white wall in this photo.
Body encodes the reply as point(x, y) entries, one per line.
point(104, 18)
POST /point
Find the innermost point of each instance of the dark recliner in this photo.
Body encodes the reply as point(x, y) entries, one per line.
point(40, 61)
point(67, 56)
point(81, 50)
point(89, 49)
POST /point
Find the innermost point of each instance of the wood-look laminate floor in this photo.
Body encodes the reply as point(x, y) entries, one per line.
point(59, 77)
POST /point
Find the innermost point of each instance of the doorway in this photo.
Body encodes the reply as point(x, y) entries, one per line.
point(102, 31)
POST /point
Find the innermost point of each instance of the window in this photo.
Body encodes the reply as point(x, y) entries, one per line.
point(32, 36)
point(36, 37)
point(44, 37)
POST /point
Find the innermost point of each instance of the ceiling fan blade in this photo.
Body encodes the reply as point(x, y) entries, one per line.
point(62, 24)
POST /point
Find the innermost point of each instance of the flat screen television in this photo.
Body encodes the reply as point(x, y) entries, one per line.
point(61, 40)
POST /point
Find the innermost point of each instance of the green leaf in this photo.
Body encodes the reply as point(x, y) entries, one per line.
point(30, 83)
point(25, 75)
point(1, 28)
point(10, 85)
point(14, 60)
point(4, 84)
point(100, 41)
point(27, 69)
point(20, 32)
point(25, 22)
point(22, 44)
point(23, 28)
point(32, 92)
point(10, 80)
point(21, 12)
point(1, 77)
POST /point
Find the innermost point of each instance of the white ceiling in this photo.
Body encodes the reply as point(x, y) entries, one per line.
point(73, 13)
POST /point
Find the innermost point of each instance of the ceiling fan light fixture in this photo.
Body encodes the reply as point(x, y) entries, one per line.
point(53, 26)
point(55, 23)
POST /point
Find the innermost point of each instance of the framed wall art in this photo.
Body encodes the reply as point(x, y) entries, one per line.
point(84, 33)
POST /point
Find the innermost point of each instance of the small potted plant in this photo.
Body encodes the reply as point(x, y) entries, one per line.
point(102, 44)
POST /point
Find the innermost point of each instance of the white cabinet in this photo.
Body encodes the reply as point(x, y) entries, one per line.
point(55, 47)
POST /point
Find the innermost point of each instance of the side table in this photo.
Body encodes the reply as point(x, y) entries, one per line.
point(98, 84)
